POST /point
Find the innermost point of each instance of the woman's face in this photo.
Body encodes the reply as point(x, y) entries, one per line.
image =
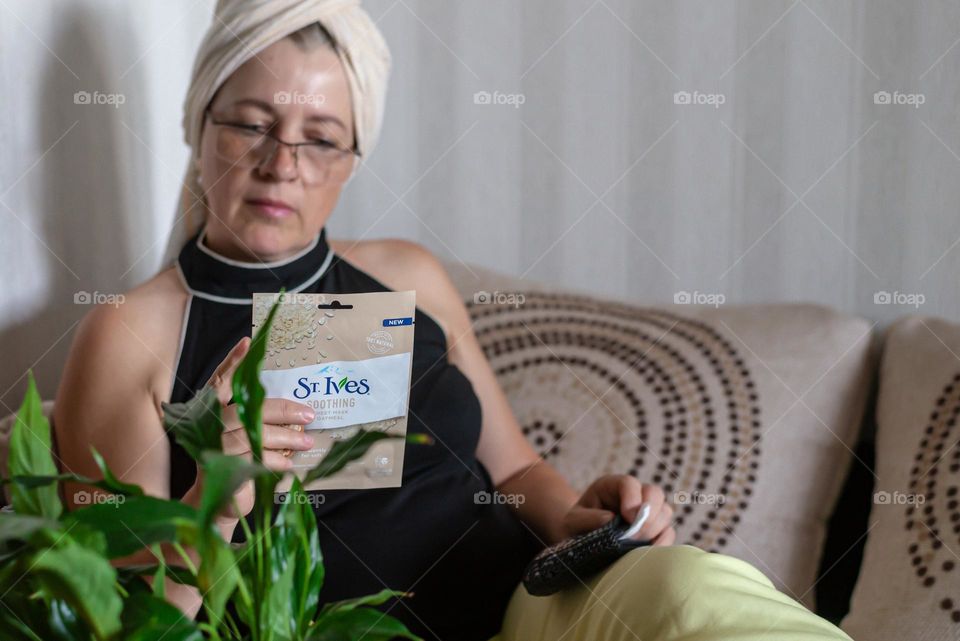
point(298, 96)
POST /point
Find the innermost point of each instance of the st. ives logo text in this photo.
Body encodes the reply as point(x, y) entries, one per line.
point(329, 387)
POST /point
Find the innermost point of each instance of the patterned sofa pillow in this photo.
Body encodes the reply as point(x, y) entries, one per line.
point(746, 416)
point(909, 584)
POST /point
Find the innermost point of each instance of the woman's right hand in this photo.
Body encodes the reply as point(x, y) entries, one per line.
point(283, 422)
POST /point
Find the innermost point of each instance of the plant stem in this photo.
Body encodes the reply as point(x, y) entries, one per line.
point(233, 624)
point(214, 629)
point(243, 521)
point(186, 557)
point(248, 536)
point(244, 593)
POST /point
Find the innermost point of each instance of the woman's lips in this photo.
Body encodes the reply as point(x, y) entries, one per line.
point(270, 208)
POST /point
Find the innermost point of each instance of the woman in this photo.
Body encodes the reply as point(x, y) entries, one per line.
point(286, 98)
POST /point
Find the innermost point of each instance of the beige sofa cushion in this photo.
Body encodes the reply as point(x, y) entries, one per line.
point(745, 415)
point(909, 584)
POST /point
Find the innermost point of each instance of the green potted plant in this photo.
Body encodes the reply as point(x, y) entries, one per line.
point(57, 582)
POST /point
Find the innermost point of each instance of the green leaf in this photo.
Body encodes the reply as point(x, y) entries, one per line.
point(197, 424)
point(309, 580)
point(83, 579)
point(90, 538)
point(20, 527)
point(30, 454)
point(223, 475)
point(159, 577)
point(35, 481)
point(345, 451)
point(217, 576)
point(295, 543)
point(178, 573)
point(276, 610)
point(343, 381)
point(246, 554)
point(149, 618)
point(111, 481)
point(372, 599)
point(248, 392)
point(353, 448)
point(135, 522)
point(371, 625)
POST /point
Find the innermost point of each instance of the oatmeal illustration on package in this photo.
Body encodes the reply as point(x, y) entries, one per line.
point(349, 357)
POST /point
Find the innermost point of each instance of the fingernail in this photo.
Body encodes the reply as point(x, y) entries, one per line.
point(307, 440)
point(307, 415)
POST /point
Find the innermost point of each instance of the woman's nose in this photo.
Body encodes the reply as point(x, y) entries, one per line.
point(281, 164)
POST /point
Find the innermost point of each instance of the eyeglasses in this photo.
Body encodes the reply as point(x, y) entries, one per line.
point(251, 146)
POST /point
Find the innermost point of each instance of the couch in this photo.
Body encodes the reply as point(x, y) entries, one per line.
point(808, 442)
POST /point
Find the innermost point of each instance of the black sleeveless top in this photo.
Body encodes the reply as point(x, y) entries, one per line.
point(461, 558)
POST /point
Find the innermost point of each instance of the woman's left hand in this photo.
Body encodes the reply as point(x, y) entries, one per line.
point(624, 494)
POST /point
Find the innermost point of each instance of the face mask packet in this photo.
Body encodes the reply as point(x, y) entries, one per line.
point(349, 357)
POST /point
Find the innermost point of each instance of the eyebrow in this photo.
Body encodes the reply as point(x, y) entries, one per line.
point(311, 118)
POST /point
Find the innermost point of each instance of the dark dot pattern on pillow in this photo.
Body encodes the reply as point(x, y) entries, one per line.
point(935, 476)
point(602, 388)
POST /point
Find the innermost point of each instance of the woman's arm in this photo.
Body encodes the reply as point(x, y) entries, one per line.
point(106, 400)
point(542, 497)
point(514, 466)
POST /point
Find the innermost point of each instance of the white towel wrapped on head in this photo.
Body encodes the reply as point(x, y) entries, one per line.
point(242, 28)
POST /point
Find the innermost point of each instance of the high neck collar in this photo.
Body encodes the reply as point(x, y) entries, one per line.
point(208, 274)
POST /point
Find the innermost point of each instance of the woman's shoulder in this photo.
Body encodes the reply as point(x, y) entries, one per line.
point(140, 326)
point(402, 264)
point(396, 262)
point(148, 307)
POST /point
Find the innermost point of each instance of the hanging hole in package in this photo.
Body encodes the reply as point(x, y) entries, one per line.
point(349, 357)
